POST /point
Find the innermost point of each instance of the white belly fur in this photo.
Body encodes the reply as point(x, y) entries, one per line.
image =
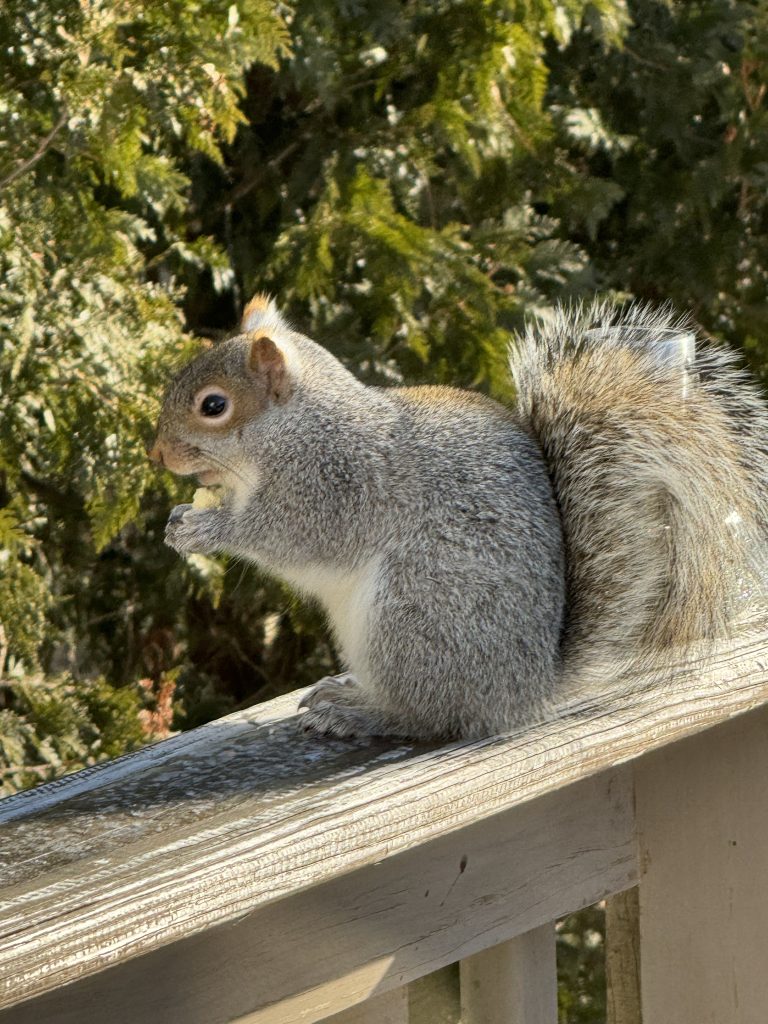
point(348, 598)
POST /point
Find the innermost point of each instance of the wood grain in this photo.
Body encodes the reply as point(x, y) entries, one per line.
point(210, 826)
point(358, 936)
point(391, 1008)
point(702, 809)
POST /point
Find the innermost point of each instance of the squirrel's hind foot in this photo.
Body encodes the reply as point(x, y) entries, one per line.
point(333, 688)
point(338, 706)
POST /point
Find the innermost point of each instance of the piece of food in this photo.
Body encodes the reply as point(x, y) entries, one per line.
point(206, 497)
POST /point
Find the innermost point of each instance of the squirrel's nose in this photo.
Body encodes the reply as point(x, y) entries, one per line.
point(155, 454)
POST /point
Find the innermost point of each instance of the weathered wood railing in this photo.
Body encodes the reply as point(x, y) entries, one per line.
point(242, 873)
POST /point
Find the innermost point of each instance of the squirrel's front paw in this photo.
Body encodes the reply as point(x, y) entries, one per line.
point(177, 514)
point(190, 530)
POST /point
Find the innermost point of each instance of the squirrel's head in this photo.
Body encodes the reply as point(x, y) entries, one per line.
point(222, 393)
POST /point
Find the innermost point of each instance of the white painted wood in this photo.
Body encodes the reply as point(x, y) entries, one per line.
point(327, 948)
point(702, 808)
point(434, 998)
point(514, 982)
point(390, 1008)
point(195, 833)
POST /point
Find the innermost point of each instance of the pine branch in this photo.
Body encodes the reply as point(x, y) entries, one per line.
point(29, 163)
point(249, 184)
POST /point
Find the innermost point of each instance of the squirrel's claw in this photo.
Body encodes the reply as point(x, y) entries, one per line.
point(339, 706)
point(334, 706)
point(329, 688)
point(177, 513)
point(327, 719)
point(173, 526)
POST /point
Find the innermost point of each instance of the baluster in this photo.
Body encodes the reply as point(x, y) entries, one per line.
point(514, 982)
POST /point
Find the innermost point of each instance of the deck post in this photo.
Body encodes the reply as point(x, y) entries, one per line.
point(514, 982)
point(702, 813)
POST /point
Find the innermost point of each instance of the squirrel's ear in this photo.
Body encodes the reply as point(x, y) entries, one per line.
point(261, 311)
point(265, 360)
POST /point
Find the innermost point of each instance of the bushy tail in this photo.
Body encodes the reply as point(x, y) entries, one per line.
point(659, 459)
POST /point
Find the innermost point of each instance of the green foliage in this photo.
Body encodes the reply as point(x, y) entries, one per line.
point(98, 102)
point(57, 725)
point(103, 105)
point(393, 206)
point(581, 967)
point(24, 600)
point(673, 124)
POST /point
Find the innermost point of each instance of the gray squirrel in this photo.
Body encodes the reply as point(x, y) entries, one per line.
point(473, 559)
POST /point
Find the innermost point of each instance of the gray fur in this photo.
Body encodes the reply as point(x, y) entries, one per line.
point(447, 494)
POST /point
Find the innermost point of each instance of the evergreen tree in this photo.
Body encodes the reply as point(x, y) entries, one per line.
point(102, 106)
point(661, 156)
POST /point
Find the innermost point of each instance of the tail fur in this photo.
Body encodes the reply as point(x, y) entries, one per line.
point(661, 474)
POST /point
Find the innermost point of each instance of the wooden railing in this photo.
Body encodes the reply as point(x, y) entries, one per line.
point(241, 872)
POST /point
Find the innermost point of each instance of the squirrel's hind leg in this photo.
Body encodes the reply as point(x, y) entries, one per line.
point(339, 706)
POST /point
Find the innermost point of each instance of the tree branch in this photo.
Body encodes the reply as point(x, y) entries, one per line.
point(3, 649)
point(27, 165)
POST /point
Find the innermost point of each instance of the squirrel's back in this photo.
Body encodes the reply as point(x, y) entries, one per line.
point(657, 455)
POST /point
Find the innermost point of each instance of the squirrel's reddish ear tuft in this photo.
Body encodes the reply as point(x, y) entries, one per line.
point(267, 361)
point(261, 311)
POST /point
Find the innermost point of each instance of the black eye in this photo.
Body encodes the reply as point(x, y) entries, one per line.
point(213, 405)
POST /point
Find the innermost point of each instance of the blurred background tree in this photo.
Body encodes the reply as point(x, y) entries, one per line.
point(411, 178)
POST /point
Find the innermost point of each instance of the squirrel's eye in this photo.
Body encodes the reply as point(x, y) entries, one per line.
point(213, 405)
